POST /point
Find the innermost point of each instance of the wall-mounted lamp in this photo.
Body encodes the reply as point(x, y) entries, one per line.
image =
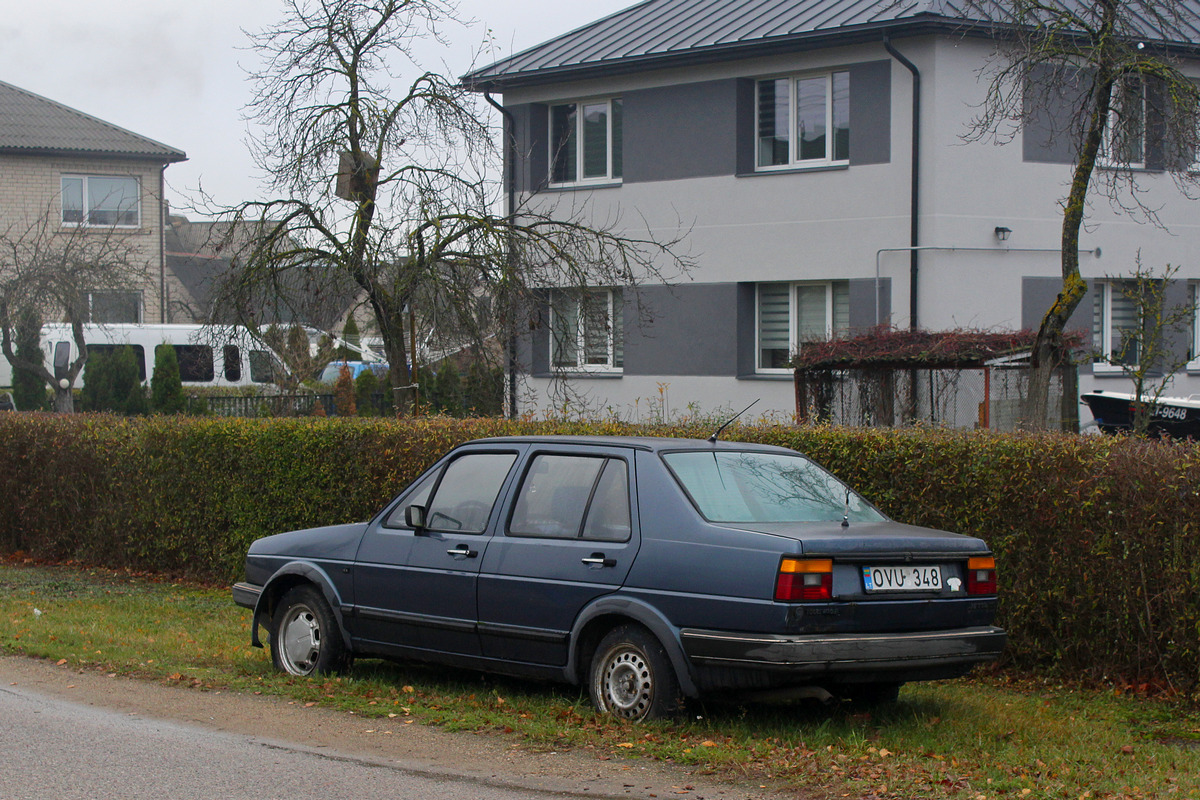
point(1003, 233)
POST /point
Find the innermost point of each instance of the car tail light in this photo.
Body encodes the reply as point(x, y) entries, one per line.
point(804, 579)
point(981, 575)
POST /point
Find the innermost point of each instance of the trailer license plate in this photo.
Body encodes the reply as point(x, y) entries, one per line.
point(907, 578)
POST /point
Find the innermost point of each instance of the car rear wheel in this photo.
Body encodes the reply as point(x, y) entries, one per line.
point(305, 638)
point(631, 676)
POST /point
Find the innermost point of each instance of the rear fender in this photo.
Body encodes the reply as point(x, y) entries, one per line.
point(625, 609)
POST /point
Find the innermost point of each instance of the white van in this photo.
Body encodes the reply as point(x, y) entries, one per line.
point(208, 355)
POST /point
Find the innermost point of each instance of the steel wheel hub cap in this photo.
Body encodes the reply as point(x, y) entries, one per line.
point(628, 685)
point(300, 641)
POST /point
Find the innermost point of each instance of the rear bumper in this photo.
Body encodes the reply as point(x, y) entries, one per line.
point(846, 653)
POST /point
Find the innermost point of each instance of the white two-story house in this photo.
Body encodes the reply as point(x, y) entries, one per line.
point(816, 153)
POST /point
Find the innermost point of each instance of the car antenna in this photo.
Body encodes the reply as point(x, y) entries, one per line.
point(846, 516)
point(717, 432)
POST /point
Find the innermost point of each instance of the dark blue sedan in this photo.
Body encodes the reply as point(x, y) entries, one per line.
point(649, 569)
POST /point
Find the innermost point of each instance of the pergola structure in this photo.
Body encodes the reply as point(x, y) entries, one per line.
point(889, 377)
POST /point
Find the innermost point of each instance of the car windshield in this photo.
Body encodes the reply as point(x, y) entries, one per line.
point(765, 487)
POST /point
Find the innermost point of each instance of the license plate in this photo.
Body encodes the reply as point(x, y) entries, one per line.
point(906, 578)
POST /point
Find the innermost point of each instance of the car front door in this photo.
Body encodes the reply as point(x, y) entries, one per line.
point(570, 537)
point(415, 585)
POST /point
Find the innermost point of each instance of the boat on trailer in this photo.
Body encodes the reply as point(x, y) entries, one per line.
point(1177, 417)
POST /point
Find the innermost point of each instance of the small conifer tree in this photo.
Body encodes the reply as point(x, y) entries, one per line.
point(29, 390)
point(449, 390)
point(343, 393)
point(166, 387)
point(365, 387)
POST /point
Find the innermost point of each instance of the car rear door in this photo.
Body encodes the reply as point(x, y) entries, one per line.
point(569, 536)
point(415, 587)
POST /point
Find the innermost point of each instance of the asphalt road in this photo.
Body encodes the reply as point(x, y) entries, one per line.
point(67, 734)
point(55, 748)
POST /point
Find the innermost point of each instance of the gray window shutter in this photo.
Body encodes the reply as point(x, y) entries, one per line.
point(746, 126)
point(532, 122)
point(1051, 131)
point(863, 298)
point(539, 337)
point(871, 112)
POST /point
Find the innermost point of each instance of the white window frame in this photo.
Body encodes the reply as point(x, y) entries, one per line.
point(579, 180)
point(614, 302)
point(794, 343)
point(1106, 288)
point(794, 161)
point(1115, 111)
point(84, 222)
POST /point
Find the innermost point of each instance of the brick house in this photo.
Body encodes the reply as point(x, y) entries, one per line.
point(83, 172)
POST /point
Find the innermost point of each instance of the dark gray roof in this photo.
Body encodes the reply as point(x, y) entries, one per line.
point(660, 33)
point(31, 124)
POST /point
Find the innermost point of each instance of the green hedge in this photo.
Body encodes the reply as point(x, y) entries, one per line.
point(1093, 535)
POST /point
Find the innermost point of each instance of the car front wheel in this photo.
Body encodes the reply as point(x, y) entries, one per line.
point(631, 676)
point(305, 638)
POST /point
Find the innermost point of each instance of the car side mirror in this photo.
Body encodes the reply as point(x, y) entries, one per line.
point(414, 517)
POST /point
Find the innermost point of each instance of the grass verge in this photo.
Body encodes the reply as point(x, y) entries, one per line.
point(991, 737)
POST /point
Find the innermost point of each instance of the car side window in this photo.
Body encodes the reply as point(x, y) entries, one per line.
point(559, 490)
point(418, 497)
point(467, 491)
point(608, 515)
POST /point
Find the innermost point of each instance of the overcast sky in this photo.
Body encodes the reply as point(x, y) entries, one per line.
point(172, 69)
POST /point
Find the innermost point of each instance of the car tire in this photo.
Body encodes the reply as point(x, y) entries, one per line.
point(631, 676)
point(305, 637)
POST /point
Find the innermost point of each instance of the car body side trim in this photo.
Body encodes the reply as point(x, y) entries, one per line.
point(423, 620)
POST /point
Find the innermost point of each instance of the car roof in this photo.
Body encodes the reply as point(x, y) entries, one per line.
point(650, 443)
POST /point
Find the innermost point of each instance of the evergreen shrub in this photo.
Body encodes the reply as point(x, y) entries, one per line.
point(1094, 535)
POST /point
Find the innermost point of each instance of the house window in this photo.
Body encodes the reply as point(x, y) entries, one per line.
point(107, 308)
point(586, 141)
point(804, 121)
point(790, 314)
point(1124, 142)
point(585, 330)
point(100, 200)
point(1115, 325)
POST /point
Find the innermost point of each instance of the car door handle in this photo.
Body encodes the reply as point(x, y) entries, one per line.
point(598, 560)
point(461, 550)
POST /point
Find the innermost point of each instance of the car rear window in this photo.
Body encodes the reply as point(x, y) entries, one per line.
point(731, 486)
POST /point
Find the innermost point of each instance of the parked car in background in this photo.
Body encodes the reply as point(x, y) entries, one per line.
point(647, 569)
point(334, 369)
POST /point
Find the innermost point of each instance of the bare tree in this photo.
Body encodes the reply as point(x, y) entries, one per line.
point(1147, 352)
point(47, 271)
point(384, 187)
point(1105, 76)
